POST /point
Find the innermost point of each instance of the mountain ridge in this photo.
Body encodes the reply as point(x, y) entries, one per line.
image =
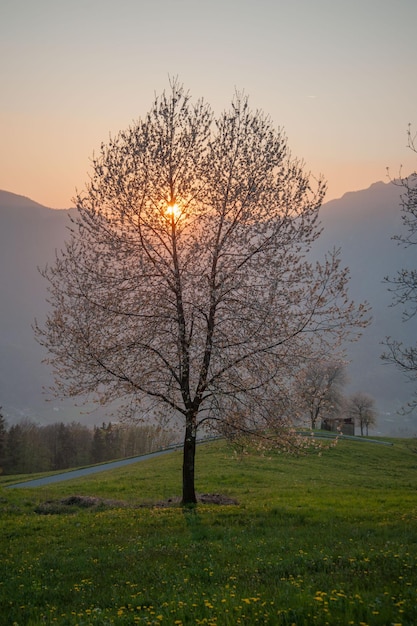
point(13, 201)
point(361, 223)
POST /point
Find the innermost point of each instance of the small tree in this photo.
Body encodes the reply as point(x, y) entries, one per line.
point(319, 387)
point(185, 284)
point(404, 284)
point(361, 408)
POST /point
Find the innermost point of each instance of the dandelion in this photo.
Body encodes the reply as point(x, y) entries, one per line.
point(319, 597)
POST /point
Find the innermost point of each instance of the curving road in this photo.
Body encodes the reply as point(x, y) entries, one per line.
point(86, 471)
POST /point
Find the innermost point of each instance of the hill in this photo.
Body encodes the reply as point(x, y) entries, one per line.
point(361, 223)
point(306, 540)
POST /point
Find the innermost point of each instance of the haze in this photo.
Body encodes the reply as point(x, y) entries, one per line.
point(337, 76)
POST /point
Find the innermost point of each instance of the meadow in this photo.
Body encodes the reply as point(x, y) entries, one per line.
point(318, 539)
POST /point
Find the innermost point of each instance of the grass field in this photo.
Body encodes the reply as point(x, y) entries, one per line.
point(318, 539)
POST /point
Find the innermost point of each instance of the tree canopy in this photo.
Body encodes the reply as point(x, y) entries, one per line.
point(185, 282)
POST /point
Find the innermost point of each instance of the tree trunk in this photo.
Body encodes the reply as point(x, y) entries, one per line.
point(188, 486)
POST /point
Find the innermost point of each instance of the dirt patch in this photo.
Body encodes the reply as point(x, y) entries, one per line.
point(216, 498)
point(71, 504)
point(203, 498)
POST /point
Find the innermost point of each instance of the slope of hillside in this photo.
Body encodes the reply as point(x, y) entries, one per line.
point(361, 223)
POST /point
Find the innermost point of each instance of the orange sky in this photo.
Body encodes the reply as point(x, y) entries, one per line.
point(338, 76)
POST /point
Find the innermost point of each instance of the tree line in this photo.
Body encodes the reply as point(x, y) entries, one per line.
point(28, 447)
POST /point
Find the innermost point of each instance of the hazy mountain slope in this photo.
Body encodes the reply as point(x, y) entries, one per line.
point(361, 223)
point(29, 235)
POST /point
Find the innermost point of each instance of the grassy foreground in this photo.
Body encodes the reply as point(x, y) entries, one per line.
point(319, 539)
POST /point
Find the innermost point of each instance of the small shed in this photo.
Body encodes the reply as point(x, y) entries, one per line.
point(344, 425)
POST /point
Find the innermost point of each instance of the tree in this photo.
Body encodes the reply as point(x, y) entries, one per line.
point(65, 453)
point(24, 451)
point(319, 386)
point(184, 283)
point(14, 450)
point(67, 445)
point(98, 449)
point(404, 284)
point(138, 439)
point(361, 408)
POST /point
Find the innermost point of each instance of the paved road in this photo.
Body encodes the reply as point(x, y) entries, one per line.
point(86, 471)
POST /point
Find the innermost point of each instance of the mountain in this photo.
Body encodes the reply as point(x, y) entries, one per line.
point(361, 223)
point(29, 235)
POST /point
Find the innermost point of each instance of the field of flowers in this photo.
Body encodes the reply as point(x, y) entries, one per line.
point(314, 540)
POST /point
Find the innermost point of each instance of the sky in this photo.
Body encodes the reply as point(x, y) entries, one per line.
point(337, 75)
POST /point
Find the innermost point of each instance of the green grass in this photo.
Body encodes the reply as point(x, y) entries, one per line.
point(314, 540)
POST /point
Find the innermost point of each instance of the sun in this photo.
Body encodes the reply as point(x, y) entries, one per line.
point(173, 210)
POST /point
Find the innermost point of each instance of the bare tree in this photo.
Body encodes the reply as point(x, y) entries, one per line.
point(319, 387)
point(361, 408)
point(185, 281)
point(404, 284)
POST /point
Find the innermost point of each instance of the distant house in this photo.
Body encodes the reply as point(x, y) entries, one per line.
point(344, 425)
